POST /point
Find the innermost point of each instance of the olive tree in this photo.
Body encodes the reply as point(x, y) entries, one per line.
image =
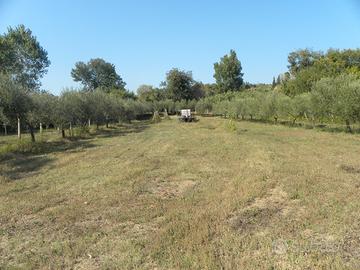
point(338, 99)
point(43, 112)
point(16, 103)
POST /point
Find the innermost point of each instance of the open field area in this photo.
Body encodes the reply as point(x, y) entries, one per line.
point(181, 196)
point(184, 196)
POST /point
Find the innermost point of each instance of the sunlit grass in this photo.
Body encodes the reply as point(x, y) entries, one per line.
point(184, 196)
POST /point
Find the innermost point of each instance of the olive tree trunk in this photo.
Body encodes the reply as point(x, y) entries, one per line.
point(348, 127)
point(70, 130)
point(18, 128)
point(32, 134)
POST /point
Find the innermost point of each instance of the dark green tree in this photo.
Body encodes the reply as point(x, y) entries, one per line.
point(16, 103)
point(301, 59)
point(228, 74)
point(150, 94)
point(97, 73)
point(179, 85)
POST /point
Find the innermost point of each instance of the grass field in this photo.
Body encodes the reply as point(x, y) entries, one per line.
point(184, 196)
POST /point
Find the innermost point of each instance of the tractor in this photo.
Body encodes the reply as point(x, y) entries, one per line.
point(186, 116)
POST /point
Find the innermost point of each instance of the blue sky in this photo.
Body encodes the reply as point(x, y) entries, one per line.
point(144, 39)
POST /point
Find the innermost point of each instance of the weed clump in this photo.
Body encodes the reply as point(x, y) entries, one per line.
point(231, 125)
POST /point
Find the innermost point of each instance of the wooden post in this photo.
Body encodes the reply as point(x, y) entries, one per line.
point(89, 123)
point(41, 128)
point(19, 128)
point(5, 129)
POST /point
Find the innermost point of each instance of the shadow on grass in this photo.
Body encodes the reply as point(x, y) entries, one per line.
point(26, 158)
point(31, 157)
point(21, 165)
point(122, 130)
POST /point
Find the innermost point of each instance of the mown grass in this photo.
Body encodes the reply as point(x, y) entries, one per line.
point(185, 196)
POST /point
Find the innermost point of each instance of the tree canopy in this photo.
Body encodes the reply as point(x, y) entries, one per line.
point(228, 74)
point(149, 93)
point(97, 73)
point(179, 85)
point(307, 67)
point(22, 57)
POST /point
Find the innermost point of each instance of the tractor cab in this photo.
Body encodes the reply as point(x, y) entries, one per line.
point(186, 116)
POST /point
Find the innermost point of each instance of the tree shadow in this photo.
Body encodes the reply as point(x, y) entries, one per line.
point(122, 130)
point(17, 164)
point(28, 158)
point(340, 129)
point(21, 165)
point(68, 145)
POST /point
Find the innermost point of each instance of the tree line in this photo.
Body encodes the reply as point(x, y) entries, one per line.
point(102, 97)
point(318, 87)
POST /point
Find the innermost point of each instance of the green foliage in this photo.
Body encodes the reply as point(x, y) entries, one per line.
point(150, 94)
point(231, 125)
point(15, 101)
point(179, 85)
point(97, 73)
point(228, 74)
point(338, 99)
point(81, 131)
point(203, 106)
point(335, 100)
point(44, 105)
point(3, 118)
point(308, 67)
point(302, 59)
point(270, 106)
point(208, 89)
point(22, 57)
point(303, 82)
point(24, 147)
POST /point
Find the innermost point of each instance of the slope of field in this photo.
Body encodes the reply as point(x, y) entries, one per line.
point(185, 196)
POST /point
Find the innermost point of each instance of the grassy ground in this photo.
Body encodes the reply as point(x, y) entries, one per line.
point(184, 196)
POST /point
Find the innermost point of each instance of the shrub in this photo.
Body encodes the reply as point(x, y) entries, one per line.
point(231, 125)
